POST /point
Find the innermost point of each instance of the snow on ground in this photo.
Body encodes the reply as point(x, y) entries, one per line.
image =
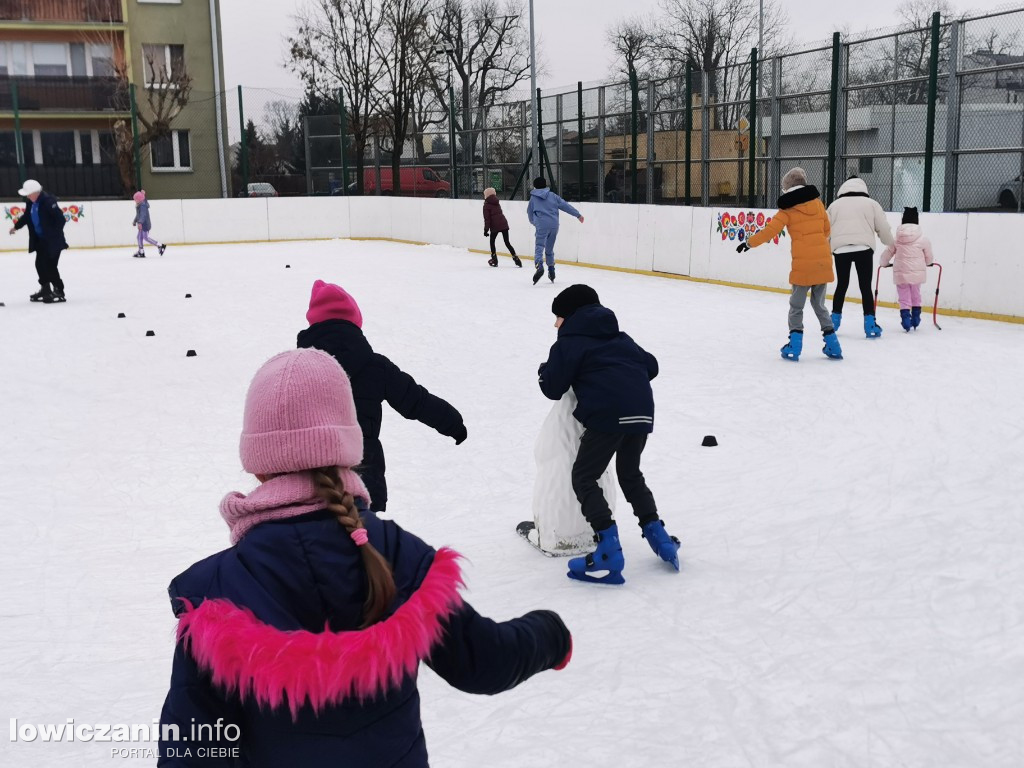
point(851, 588)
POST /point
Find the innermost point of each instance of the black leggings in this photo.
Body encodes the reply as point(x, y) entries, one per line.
point(494, 236)
point(596, 451)
point(864, 261)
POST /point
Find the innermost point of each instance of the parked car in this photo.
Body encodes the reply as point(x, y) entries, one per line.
point(1008, 194)
point(417, 181)
point(261, 189)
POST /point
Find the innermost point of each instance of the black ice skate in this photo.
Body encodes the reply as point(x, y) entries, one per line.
point(516, 261)
point(57, 297)
point(538, 274)
point(40, 295)
point(493, 261)
point(160, 249)
point(139, 254)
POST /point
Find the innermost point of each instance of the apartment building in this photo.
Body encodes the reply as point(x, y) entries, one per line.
point(64, 65)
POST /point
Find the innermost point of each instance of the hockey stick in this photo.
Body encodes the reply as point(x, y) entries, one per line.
point(935, 307)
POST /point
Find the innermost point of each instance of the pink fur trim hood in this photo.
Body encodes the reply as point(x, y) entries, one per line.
point(275, 667)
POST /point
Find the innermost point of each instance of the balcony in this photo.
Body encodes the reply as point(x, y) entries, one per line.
point(62, 11)
point(60, 94)
point(71, 183)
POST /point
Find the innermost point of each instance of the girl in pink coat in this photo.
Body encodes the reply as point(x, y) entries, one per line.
point(910, 256)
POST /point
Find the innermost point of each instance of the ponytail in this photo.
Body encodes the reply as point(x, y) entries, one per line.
point(380, 581)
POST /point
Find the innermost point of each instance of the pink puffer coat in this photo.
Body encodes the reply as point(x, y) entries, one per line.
point(910, 255)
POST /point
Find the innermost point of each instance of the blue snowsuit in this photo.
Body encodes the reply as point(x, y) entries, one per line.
point(543, 214)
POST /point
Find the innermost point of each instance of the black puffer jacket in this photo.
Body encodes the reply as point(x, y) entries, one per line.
point(374, 380)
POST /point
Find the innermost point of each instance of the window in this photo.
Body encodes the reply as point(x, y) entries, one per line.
point(58, 147)
point(85, 146)
point(50, 59)
point(172, 152)
point(865, 164)
point(3, 58)
point(19, 59)
point(8, 152)
point(101, 57)
point(163, 63)
point(108, 149)
point(78, 68)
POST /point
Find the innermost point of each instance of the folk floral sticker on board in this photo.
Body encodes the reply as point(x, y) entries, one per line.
point(743, 224)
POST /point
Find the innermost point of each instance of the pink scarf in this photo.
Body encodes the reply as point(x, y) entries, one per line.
point(280, 498)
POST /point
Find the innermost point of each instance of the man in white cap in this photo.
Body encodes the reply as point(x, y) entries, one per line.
point(45, 222)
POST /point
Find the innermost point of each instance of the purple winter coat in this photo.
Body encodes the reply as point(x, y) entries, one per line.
point(910, 255)
point(494, 219)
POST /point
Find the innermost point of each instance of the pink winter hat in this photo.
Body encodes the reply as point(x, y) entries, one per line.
point(299, 414)
point(139, 196)
point(331, 302)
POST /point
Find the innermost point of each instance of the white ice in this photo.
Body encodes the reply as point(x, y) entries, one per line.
point(852, 589)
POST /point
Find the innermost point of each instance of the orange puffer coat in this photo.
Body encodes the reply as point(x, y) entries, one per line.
point(803, 214)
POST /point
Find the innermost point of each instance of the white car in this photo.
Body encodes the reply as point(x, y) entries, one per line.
point(1009, 194)
point(261, 189)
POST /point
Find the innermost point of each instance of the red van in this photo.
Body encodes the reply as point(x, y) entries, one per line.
point(417, 181)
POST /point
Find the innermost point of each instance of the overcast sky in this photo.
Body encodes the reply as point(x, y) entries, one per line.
point(571, 32)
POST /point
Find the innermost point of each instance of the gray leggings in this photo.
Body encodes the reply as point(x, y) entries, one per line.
point(798, 298)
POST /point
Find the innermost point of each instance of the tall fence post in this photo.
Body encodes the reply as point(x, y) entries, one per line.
point(929, 136)
point(601, 164)
point(833, 113)
point(453, 168)
point(688, 125)
point(649, 198)
point(342, 125)
point(752, 133)
point(952, 118)
point(19, 147)
point(243, 147)
point(705, 139)
point(579, 137)
point(376, 167)
point(634, 88)
point(775, 167)
point(136, 148)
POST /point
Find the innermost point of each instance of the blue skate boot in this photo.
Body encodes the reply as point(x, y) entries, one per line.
point(795, 346)
point(664, 546)
point(837, 318)
point(915, 317)
point(832, 348)
point(607, 557)
point(871, 329)
point(905, 319)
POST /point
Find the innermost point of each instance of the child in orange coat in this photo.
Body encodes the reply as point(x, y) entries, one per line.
point(802, 212)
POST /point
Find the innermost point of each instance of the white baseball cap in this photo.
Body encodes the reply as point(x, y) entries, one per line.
point(30, 187)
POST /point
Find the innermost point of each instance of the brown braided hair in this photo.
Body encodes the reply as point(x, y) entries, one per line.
point(380, 581)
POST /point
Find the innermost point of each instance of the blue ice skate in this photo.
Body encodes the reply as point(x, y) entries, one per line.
point(871, 329)
point(664, 546)
point(837, 318)
point(795, 346)
point(832, 348)
point(905, 319)
point(607, 557)
point(915, 317)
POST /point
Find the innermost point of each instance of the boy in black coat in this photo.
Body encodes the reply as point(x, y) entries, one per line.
point(335, 327)
point(45, 221)
point(611, 376)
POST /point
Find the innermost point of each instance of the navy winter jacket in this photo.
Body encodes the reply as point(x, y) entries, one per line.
point(609, 372)
point(374, 380)
point(283, 607)
point(52, 220)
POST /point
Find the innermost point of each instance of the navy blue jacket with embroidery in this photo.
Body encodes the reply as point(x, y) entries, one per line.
point(609, 372)
point(51, 220)
point(303, 578)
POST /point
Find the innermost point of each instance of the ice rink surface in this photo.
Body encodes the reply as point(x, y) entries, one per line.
point(852, 590)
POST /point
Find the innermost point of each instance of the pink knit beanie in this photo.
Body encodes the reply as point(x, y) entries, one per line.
point(299, 414)
point(331, 302)
point(139, 196)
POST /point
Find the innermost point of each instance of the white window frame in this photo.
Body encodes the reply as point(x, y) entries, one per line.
point(158, 2)
point(8, 56)
point(176, 149)
point(167, 62)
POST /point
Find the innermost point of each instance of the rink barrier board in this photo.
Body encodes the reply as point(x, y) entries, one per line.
point(680, 242)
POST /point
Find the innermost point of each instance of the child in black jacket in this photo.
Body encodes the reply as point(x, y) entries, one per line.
point(335, 326)
point(611, 376)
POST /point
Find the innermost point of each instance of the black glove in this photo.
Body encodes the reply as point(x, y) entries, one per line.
point(460, 434)
point(742, 247)
point(486, 232)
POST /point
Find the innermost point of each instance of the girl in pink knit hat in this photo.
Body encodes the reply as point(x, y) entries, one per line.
point(143, 224)
point(300, 644)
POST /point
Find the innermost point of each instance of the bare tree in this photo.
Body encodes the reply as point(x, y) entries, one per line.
point(404, 46)
point(165, 92)
point(715, 36)
point(913, 47)
point(489, 56)
point(334, 47)
point(634, 41)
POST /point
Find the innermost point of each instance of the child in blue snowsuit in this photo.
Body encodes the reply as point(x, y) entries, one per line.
point(611, 377)
point(543, 214)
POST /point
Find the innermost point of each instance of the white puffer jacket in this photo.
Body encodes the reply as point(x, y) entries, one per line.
point(856, 218)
